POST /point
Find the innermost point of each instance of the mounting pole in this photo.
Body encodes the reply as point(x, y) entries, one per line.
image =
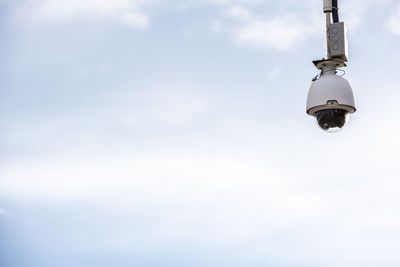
point(328, 9)
point(336, 37)
point(328, 35)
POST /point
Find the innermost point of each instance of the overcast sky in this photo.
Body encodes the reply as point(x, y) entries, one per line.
point(173, 133)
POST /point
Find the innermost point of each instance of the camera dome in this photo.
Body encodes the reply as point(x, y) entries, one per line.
point(332, 120)
point(330, 89)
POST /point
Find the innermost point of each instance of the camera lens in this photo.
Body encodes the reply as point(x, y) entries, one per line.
point(332, 120)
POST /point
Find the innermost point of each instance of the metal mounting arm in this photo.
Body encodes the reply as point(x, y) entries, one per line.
point(335, 31)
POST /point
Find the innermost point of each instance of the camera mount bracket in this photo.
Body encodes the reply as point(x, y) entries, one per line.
point(329, 64)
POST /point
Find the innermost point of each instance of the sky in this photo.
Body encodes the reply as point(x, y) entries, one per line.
point(173, 133)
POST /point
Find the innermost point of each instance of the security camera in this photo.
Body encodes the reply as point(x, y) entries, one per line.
point(330, 99)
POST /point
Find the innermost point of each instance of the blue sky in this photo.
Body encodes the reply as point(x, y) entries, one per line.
point(174, 133)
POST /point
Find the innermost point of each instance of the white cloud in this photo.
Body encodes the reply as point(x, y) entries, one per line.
point(226, 2)
point(161, 174)
point(279, 32)
point(240, 198)
point(126, 12)
point(393, 23)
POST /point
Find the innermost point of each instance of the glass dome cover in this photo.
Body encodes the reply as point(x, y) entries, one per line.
point(332, 120)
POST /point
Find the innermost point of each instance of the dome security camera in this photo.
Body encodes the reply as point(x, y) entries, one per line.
point(330, 99)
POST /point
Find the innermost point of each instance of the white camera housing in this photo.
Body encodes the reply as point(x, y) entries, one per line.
point(330, 91)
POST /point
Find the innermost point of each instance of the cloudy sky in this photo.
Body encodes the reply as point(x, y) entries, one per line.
point(173, 133)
